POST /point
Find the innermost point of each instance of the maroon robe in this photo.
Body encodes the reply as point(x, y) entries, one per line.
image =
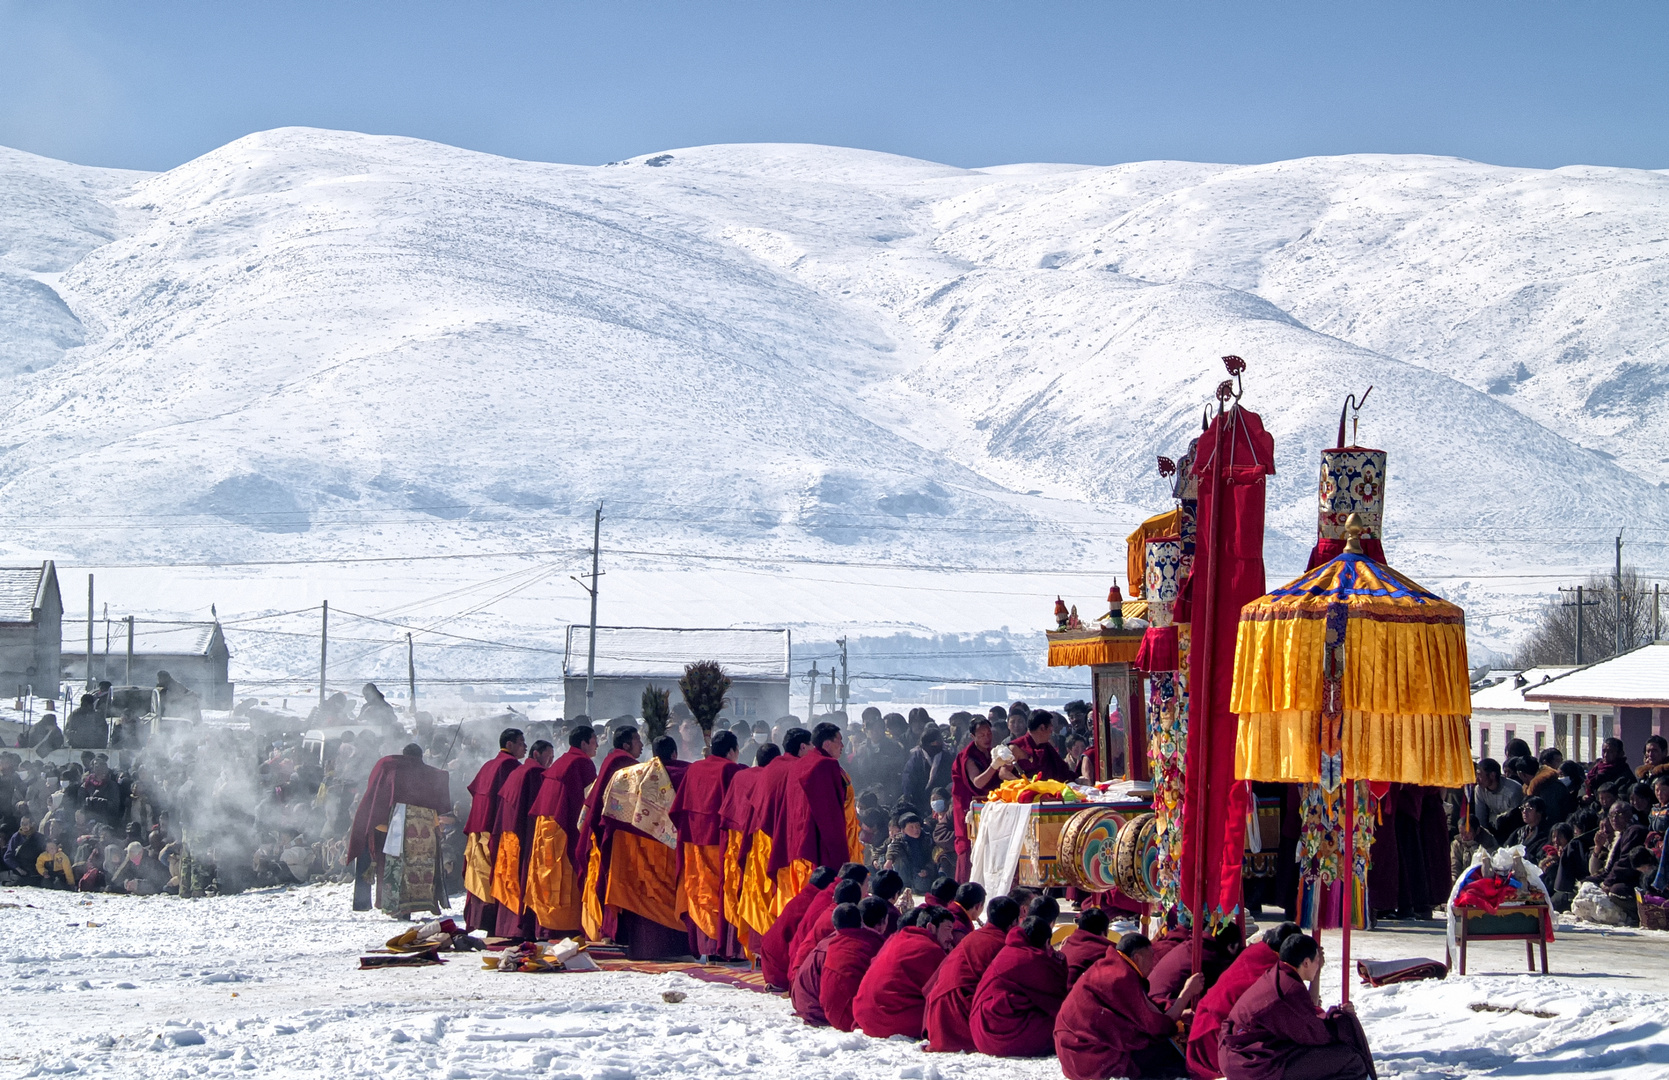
point(776, 948)
point(815, 925)
point(1013, 1012)
point(1172, 938)
point(515, 803)
point(1218, 1002)
point(395, 779)
point(951, 992)
point(847, 957)
point(770, 809)
point(1107, 1021)
point(1275, 1023)
point(817, 811)
point(962, 927)
point(1040, 761)
point(1171, 971)
point(1082, 949)
point(597, 831)
point(561, 798)
point(963, 792)
point(697, 813)
point(806, 993)
point(481, 912)
point(893, 994)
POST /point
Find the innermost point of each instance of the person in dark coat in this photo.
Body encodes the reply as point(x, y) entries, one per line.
point(1109, 1026)
point(23, 850)
point(1564, 871)
point(85, 728)
point(1276, 1029)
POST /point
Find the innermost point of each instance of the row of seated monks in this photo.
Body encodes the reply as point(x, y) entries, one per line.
point(728, 863)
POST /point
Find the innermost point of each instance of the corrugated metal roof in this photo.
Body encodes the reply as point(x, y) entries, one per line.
point(661, 653)
point(1508, 696)
point(19, 586)
point(1640, 677)
point(149, 638)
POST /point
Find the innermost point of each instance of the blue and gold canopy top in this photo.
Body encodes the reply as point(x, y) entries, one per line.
point(1368, 588)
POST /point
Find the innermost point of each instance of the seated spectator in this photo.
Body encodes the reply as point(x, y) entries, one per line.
point(92, 877)
point(1087, 943)
point(1636, 871)
point(1109, 1026)
point(893, 994)
point(1656, 759)
point(1627, 833)
point(85, 727)
point(1658, 822)
point(1494, 798)
point(23, 850)
point(1014, 1007)
point(45, 736)
point(52, 866)
point(1565, 870)
point(1277, 1031)
point(950, 993)
point(140, 873)
point(1611, 768)
point(1206, 1028)
point(1536, 832)
point(847, 958)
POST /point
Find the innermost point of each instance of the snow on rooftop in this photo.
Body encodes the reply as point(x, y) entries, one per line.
point(1640, 677)
point(1508, 695)
point(19, 586)
point(662, 652)
point(149, 638)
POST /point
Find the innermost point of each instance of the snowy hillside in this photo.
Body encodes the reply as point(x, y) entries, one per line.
point(313, 344)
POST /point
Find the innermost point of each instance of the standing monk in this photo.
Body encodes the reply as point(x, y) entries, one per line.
point(554, 874)
point(769, 851)
point(424, 791)
point(822, 810)
point(697, 814)
point(972, 776)
point(592, 853)
point(1035, 754)
point(636, 856)
point(514, 833)
point(736, 816)
point(480, 843)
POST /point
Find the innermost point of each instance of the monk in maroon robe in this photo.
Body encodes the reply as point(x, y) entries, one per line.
point(595, 832)
point(776, 948)
point(1276, 1029)
point(950, 994)
point(847, 955)
point(1108, 1026)
point(513, 832)
point(1014, 1007)
point(480, 842)
point(965, 907)
point(747, 912)
point(1086, 944)
point(1220, 1000)
point(555, 873)
point(772, 854)
point(1170, 972)
point(822, 808)
point(818, 921)
point(972, 776)
point(1035, 755)
point(893, 994)
point(697, 815)
point(398, 778)
point(807, 991)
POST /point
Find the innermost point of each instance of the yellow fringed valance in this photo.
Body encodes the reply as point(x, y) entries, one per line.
point(1091, 650)
point(1401, 749)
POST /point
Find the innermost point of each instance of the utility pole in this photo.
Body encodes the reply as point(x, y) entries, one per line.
point(591, 651)
point(1657, 617)
point(90, 683)
point(845, 679)
point(1617, 587)
point(324, 649)
point(811, 695)
point(1579, 605)
point(128, 678)
point(411, 675)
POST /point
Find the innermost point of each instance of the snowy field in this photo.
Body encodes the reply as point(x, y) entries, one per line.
point(267, 984)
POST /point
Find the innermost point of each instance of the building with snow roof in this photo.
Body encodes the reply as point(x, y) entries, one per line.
point(195, 654)
point(1500, 714)
point(631, 658)
point(1626, 696)
point(31, 614)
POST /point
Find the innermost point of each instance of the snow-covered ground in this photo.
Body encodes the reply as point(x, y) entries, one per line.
point(266, 984)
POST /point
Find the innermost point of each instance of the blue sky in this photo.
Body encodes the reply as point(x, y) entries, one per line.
point(151, 84)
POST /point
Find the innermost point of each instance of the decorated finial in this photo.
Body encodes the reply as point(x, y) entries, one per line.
point(1353, 530)
point(1167, 467)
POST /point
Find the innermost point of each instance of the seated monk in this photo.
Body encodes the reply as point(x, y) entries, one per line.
point(845, 891)
point(968, 902)
point(847, 956)
point(807, 991)
point(1276, 1030)
point(950, 994)
point(1171, 971)
point(775, 947)
point(893, 993)
point(887, 885)
point(1014, 1007)
point(1170, 939)
point(940, 893)
point(1109, 1026)
point(1086, 944)
point(1214, 1007)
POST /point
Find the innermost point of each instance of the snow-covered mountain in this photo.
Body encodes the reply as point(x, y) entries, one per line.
point(313, 344)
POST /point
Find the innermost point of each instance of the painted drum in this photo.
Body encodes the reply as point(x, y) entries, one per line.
point(1087, 848)
point(1129, 873)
